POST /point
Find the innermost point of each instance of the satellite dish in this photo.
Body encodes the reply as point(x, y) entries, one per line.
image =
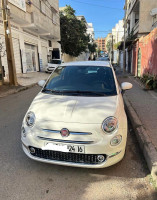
point(153, 12)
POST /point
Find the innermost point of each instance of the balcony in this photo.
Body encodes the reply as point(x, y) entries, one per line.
point(43, 26)
point(131, 5)
point(136, 28)
point(25, 17)
point(36, 22)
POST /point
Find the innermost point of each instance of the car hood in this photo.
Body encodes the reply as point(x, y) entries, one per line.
point(73, 109)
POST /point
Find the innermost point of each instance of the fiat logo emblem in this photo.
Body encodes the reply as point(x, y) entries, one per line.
point(64, 132)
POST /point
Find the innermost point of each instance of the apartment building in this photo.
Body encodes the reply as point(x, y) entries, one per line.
point(118, 32)
point(101, 44)
point(141, 17)
point(90, 31)
point(35, 28)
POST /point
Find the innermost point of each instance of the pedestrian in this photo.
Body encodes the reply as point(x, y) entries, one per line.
point(89, 58)
point(94, 58)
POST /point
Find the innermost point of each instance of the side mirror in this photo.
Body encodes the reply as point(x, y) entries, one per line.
point(126, 86)
point(41, 83)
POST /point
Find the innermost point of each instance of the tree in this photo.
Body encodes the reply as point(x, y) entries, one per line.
point(116, 46)
point(109, 46)
point(98, 51)
point(74, 39)
point(92, 47)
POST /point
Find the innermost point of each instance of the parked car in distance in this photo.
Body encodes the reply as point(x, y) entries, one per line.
point(53, 64)
point(106, 58)
point(78, 118)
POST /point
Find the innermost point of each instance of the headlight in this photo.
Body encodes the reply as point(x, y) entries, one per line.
point(30, 119)
point(109, 125)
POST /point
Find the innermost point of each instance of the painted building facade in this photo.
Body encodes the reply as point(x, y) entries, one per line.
point(90, 32)
point(141, 21)
point(144, 55)
point(101, 44)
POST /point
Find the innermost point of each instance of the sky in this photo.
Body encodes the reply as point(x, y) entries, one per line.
point(104, 14)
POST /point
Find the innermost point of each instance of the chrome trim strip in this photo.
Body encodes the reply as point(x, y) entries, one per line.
point(72, 133)
point(65, 141)
point(51, 131)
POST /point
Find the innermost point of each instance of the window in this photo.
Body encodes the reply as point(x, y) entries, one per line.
point(136, 17)
point(53, 15)
point(50, 43)
point(43, 6)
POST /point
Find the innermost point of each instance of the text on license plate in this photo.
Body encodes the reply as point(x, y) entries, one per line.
point(64, 148)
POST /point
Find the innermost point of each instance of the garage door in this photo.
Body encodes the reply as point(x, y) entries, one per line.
point(44, 57)
point(31, 57)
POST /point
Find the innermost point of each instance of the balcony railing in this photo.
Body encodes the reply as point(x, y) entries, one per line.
point(154, 25)
point(136, 28)
point(131, 6)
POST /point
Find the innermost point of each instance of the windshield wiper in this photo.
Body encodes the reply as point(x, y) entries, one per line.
point(52, 91)
point(74, 92)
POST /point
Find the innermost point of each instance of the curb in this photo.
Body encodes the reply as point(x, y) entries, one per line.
point(142, 135)
point(18, 90)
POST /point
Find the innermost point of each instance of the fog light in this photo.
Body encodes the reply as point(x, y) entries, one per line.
point(116, 140)
point(23, 132)
point(101, 158)
point(32, 150)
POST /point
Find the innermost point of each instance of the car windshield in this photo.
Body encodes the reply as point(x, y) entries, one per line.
point(55, 61)
point(81, 81)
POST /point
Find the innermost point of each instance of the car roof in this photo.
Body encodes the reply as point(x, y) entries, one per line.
point(55, 59)
point(88, 63)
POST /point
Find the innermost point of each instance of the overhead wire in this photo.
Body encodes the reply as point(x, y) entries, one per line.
point(97, 5)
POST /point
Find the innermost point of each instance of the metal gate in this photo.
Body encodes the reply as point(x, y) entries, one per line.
point(44, 57)
point(129, 60)
point(139, 63)
point(31, 57)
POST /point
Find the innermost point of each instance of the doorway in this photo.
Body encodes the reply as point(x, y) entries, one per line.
point(139, 63)
point(31, 57)
point(56, 54)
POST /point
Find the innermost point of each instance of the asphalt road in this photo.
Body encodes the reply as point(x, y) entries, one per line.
point(25, 179)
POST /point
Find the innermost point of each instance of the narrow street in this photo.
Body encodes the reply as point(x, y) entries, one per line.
point(23, 179)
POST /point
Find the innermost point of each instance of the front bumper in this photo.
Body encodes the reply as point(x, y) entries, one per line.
point(112, 154)
point(108, 161)
point(50, 70)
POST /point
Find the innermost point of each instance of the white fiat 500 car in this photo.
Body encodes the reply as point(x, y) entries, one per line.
point(52, 65)
point(78, 117)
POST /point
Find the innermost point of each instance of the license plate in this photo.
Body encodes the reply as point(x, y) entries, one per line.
point(64, 148)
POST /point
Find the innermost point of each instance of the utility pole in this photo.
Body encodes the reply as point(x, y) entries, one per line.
point(1, 72)
point(112, 47)
point(124, 45)
point(9, 43)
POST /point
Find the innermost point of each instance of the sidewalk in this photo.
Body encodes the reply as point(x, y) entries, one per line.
point(31, 78)
point(141, 107)
point(25, 81)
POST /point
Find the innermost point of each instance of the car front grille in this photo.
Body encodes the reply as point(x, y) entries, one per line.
point(66, 157)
